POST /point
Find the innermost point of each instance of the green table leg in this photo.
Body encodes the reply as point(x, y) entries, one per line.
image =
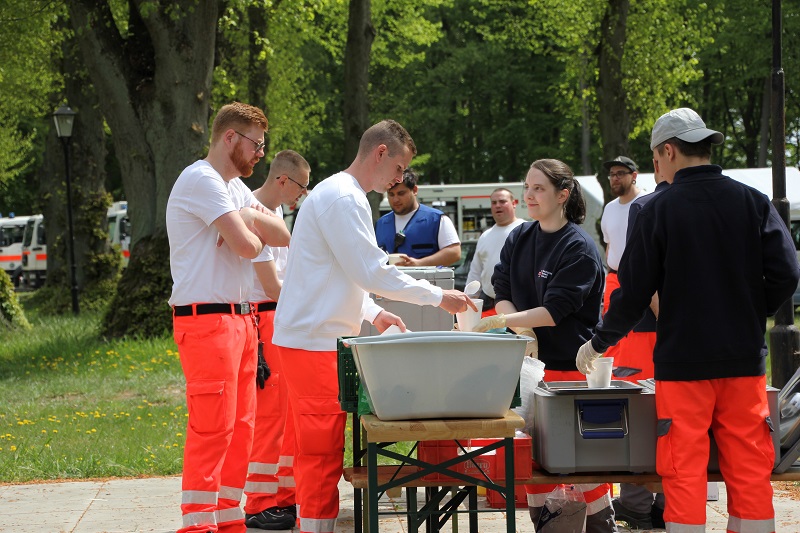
point(372, 481)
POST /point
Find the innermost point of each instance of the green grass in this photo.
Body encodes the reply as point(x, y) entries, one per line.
point(73, 406)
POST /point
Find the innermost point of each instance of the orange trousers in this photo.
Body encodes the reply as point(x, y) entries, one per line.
point(598, 496)
point(270, 476)
point(736, 411)
point(319, 422)
point(634, 350)
point(218, 356)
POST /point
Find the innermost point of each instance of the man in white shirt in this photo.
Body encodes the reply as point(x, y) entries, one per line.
point(213, 233)
point(491, 241)
point(422, 235)
point(270, 486)
point(334, 263)
point(633, 355)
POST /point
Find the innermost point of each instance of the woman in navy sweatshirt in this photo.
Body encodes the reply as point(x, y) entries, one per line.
point(549, 284)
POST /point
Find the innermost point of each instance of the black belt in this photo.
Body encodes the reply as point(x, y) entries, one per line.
point(612, 271)
point(265, 306)
point(210, 309)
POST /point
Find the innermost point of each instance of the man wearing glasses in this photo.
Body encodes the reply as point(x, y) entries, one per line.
point(215, 226)
point(270, 486)
point(423, 235)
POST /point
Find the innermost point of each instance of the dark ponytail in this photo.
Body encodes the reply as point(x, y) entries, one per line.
point(562, 177)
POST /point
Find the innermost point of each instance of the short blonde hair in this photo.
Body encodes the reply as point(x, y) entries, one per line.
point(388, 132)
point(287, 161)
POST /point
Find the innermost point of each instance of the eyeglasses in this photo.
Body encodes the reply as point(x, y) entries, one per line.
point(303, 188)
point(618, 175)
point(399, 239)
point(259, 145)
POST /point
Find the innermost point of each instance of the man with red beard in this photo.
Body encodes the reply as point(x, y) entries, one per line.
point(215, 226)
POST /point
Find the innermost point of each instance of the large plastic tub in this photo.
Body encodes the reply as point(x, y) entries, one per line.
point(439, 374)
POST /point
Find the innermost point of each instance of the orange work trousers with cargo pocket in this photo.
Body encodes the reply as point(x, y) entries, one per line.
point(319, 422)
point(736, 411)
point(218, 355)
point(270, 474)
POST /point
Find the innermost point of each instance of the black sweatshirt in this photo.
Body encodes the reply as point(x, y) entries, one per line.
point(560, 271)
point(721, 259)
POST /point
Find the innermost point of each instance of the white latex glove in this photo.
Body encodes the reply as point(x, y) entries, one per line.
point(585, 359)
point(490, 322)
point(532, 348)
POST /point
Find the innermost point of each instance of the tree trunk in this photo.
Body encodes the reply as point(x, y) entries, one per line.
point(97, 266)
point(258, 78)
point(360, 34)
point(613, 117)
point(154, 85)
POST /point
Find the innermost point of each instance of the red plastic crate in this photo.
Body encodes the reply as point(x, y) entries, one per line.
point(491, 463)
point(495, 501)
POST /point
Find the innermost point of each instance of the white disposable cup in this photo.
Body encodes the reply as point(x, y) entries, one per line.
point(469, 318)
point(395, 258)
point(601, 377)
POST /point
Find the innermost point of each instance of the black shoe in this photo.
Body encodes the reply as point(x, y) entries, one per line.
point(633, 519)
point(274, 518)
point(289, 509)
point(657, 517)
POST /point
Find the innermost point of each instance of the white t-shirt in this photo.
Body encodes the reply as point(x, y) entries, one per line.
point(334, 263)
point(614, 225)
point(487, 254)
point(447, 231)
point(201, 271)
point(279, 254)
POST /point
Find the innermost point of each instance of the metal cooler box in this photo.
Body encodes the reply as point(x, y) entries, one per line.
point(418, 317)
point(577, 429)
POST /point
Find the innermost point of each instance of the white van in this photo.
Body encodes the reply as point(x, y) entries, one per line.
point(119, 233)
point(34, 252)
point(34, 244)
point(11, 232)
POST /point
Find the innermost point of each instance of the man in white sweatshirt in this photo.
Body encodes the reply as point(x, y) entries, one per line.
point(491, 241)
point(334, 263)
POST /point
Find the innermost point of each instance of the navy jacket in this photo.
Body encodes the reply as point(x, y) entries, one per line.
point(562, 272)
point(721, 260)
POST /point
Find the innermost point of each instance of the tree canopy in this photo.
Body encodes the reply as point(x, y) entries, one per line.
point(484, 86)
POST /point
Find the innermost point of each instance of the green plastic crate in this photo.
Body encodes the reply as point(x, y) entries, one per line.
point(349, 380)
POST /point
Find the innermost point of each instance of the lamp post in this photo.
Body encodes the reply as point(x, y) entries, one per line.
point(64, 118)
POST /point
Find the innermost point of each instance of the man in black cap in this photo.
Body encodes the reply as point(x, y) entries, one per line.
point(633, 354)
point(722, 260)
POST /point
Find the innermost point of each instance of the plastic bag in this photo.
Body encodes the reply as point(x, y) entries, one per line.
point(564, 511)
point(364, 401)
point(530, 375)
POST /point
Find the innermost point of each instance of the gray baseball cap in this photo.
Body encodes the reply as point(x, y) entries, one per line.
point(686, 125)
point(621, 161)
